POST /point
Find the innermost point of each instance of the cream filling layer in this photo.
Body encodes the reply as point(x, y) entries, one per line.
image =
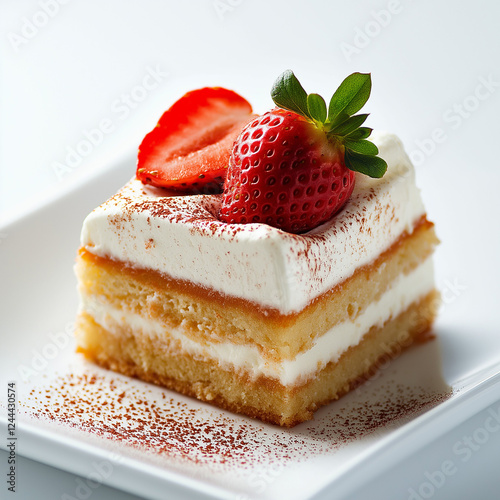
point(181, 237)
point(405, 290)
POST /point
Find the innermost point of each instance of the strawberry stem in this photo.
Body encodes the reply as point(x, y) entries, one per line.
point(341, 125)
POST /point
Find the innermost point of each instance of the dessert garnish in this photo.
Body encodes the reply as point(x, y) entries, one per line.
point(188, 150)
point(293, 167)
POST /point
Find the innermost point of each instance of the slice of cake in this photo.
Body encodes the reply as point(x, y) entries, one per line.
point(247, 316)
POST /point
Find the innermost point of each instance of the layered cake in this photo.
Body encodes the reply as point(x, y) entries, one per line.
point(251, 317)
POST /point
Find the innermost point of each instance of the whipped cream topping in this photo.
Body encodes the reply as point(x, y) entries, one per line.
point(405, 290)
point(181, 237)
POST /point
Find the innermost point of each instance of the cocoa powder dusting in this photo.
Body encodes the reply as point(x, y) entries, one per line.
point(160, 422)
point(388, 407)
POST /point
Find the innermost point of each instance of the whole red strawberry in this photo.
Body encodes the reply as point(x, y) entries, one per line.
point(293, 167)
point(284, 172)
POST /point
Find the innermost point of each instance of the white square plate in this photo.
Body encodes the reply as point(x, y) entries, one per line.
point(147, 440)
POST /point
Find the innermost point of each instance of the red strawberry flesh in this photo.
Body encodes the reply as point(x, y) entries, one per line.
point(189, 148)
point(285, 172)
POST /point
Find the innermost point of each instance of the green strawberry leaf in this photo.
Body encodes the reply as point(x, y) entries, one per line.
point(288, 93)
point(359, 134)
point(317, 107)
point(349, 125)
point(363, 147)
point(339, 119)
point(351, 95)
point(340, 124)
point(373, 166)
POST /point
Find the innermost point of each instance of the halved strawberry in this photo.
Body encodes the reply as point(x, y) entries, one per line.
point(189, 148)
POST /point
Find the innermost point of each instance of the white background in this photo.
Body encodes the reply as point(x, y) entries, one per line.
point(65, 72)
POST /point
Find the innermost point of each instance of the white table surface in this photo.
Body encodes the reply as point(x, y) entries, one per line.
point(68, 66)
